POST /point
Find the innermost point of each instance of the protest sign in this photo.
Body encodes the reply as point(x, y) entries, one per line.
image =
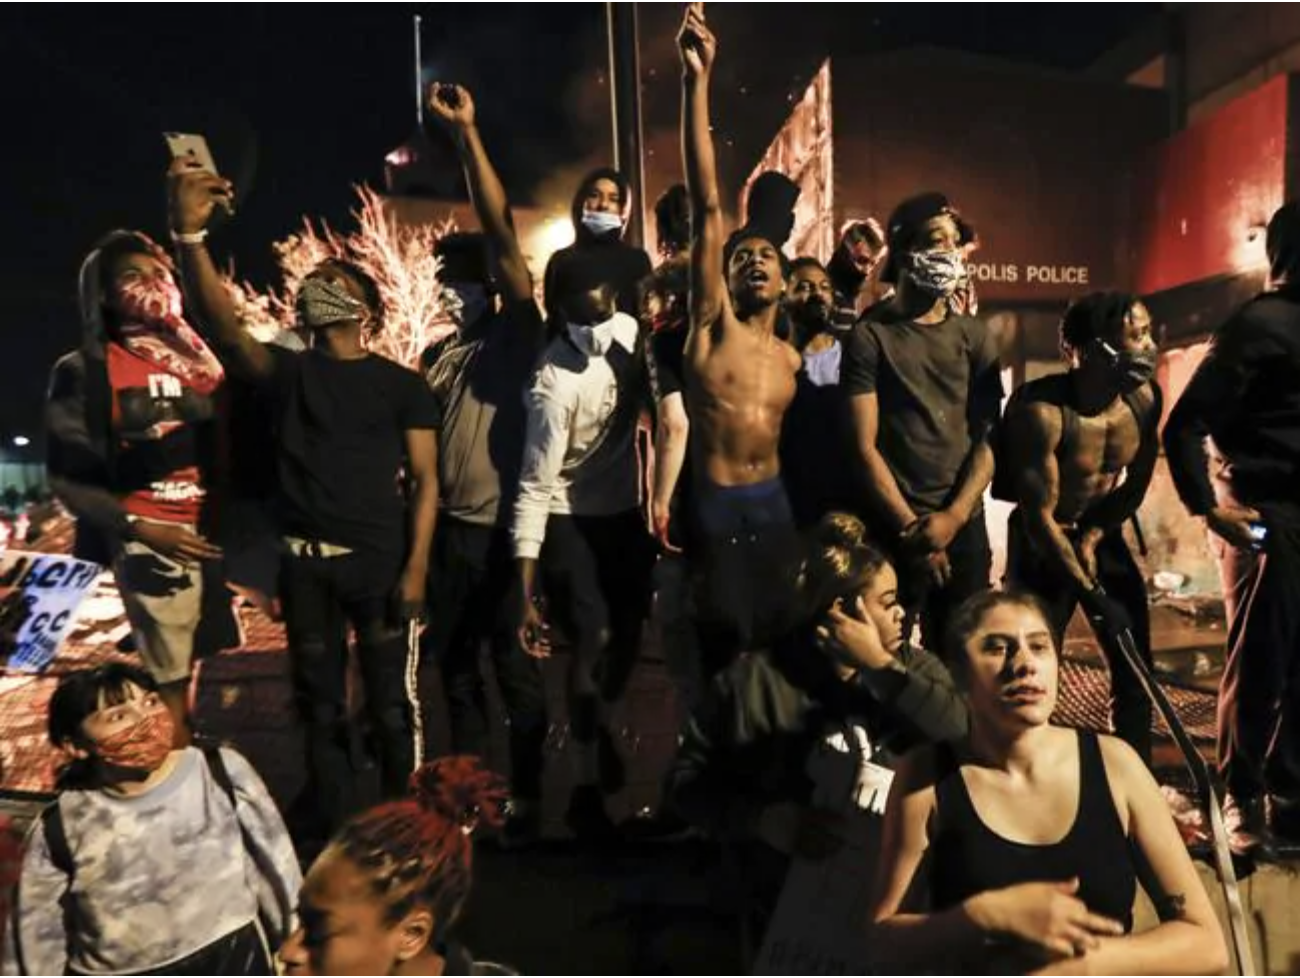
point(820, 923)
point(39, 597)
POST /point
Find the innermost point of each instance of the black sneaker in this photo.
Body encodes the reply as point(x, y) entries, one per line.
point(1284, 820)
point(1247, 824)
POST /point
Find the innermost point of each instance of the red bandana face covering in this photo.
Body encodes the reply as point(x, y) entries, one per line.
point(143, 746)
point(154, 328)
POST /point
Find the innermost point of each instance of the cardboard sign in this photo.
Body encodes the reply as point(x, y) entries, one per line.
point(39, 597)
point(820, 923)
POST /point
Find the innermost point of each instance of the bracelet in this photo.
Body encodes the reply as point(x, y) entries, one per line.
point(191, 238)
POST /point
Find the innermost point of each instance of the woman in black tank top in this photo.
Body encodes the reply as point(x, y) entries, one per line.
point(1028, 837)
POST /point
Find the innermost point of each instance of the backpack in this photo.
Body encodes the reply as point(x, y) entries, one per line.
point(1055, 389)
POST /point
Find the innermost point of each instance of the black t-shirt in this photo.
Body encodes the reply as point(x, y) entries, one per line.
point(667, 361)
point(342, 441)
point(596, 260)
point(479, 378)
point(938, 387)
point(816, 438)
point(1246, 396)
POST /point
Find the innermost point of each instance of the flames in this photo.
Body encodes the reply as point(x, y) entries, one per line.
point(398, 256)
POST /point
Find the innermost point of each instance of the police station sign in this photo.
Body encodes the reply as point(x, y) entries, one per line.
point(1008, 273)
point(39, 597)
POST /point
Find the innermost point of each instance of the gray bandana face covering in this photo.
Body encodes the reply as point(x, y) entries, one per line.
point(321, 303)
point(935, 273)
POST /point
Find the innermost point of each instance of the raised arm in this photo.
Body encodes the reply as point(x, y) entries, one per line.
point(194, 193)
point(1032, 435)
point(454, 107)
point(698, 48)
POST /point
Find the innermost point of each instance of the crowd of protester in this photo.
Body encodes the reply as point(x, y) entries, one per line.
point(781, 464)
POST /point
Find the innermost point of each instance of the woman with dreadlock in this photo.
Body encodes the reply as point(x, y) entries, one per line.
point(382, 897)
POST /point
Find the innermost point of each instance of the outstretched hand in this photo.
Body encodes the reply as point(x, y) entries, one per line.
point(194, 193)
point(452, 105)
point(696, 43)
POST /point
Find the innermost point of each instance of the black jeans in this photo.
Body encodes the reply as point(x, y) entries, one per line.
point(1119, 575)
point(469, 593)
point(1259, 695)
point(596, 571)
point(971, 560)
point(322, 597)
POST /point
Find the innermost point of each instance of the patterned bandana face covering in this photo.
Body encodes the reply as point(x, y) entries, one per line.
point(936, 273)
point(154, 302)
point(143, 746)
point(154, 328)
point(321, 303)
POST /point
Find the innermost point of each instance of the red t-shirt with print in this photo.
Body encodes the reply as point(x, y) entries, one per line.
point(155, 419)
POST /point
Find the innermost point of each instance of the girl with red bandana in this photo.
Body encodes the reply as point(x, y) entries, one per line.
point(132, 429)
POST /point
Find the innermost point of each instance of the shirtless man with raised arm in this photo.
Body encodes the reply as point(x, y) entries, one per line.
point(740, 378)
point(1076, 455)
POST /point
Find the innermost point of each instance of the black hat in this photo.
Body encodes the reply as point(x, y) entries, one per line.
point(909, 218)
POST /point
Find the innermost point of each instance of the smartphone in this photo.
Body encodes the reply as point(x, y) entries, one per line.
point(1259, 533)
point(188, 145)
point(185, 145)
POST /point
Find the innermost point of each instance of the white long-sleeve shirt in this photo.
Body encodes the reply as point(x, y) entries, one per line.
point(574, 462)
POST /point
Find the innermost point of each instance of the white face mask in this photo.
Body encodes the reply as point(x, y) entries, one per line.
point(601, 223)
point(465, 302)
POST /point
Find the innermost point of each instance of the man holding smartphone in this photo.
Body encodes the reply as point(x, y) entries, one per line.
point(352, 429)
point(1245, 397)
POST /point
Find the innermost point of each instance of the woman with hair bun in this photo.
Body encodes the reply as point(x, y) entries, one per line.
point(844, 684)
point(383, 896)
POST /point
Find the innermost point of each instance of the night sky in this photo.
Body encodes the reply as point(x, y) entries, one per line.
point(300, 102)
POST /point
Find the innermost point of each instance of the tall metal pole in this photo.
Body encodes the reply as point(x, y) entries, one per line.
point(419, 73)
point(625, 105)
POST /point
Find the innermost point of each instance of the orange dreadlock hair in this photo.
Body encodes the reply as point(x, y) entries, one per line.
point(419, 851)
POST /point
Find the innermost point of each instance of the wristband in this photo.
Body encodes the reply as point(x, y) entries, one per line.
point(190, 238)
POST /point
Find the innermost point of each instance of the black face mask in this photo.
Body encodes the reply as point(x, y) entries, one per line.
point(1137, 369)
point(1134, 370)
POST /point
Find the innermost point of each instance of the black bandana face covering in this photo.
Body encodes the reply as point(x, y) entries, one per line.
point(1135, 370)
point(321, 303)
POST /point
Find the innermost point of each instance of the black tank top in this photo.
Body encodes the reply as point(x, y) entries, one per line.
point(970, 858)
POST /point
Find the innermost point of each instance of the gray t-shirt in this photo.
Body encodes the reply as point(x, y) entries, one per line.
point(156, 877)
point(479, 379)
point(939, 388)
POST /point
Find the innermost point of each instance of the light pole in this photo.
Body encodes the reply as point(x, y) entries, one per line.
point(625, 105)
